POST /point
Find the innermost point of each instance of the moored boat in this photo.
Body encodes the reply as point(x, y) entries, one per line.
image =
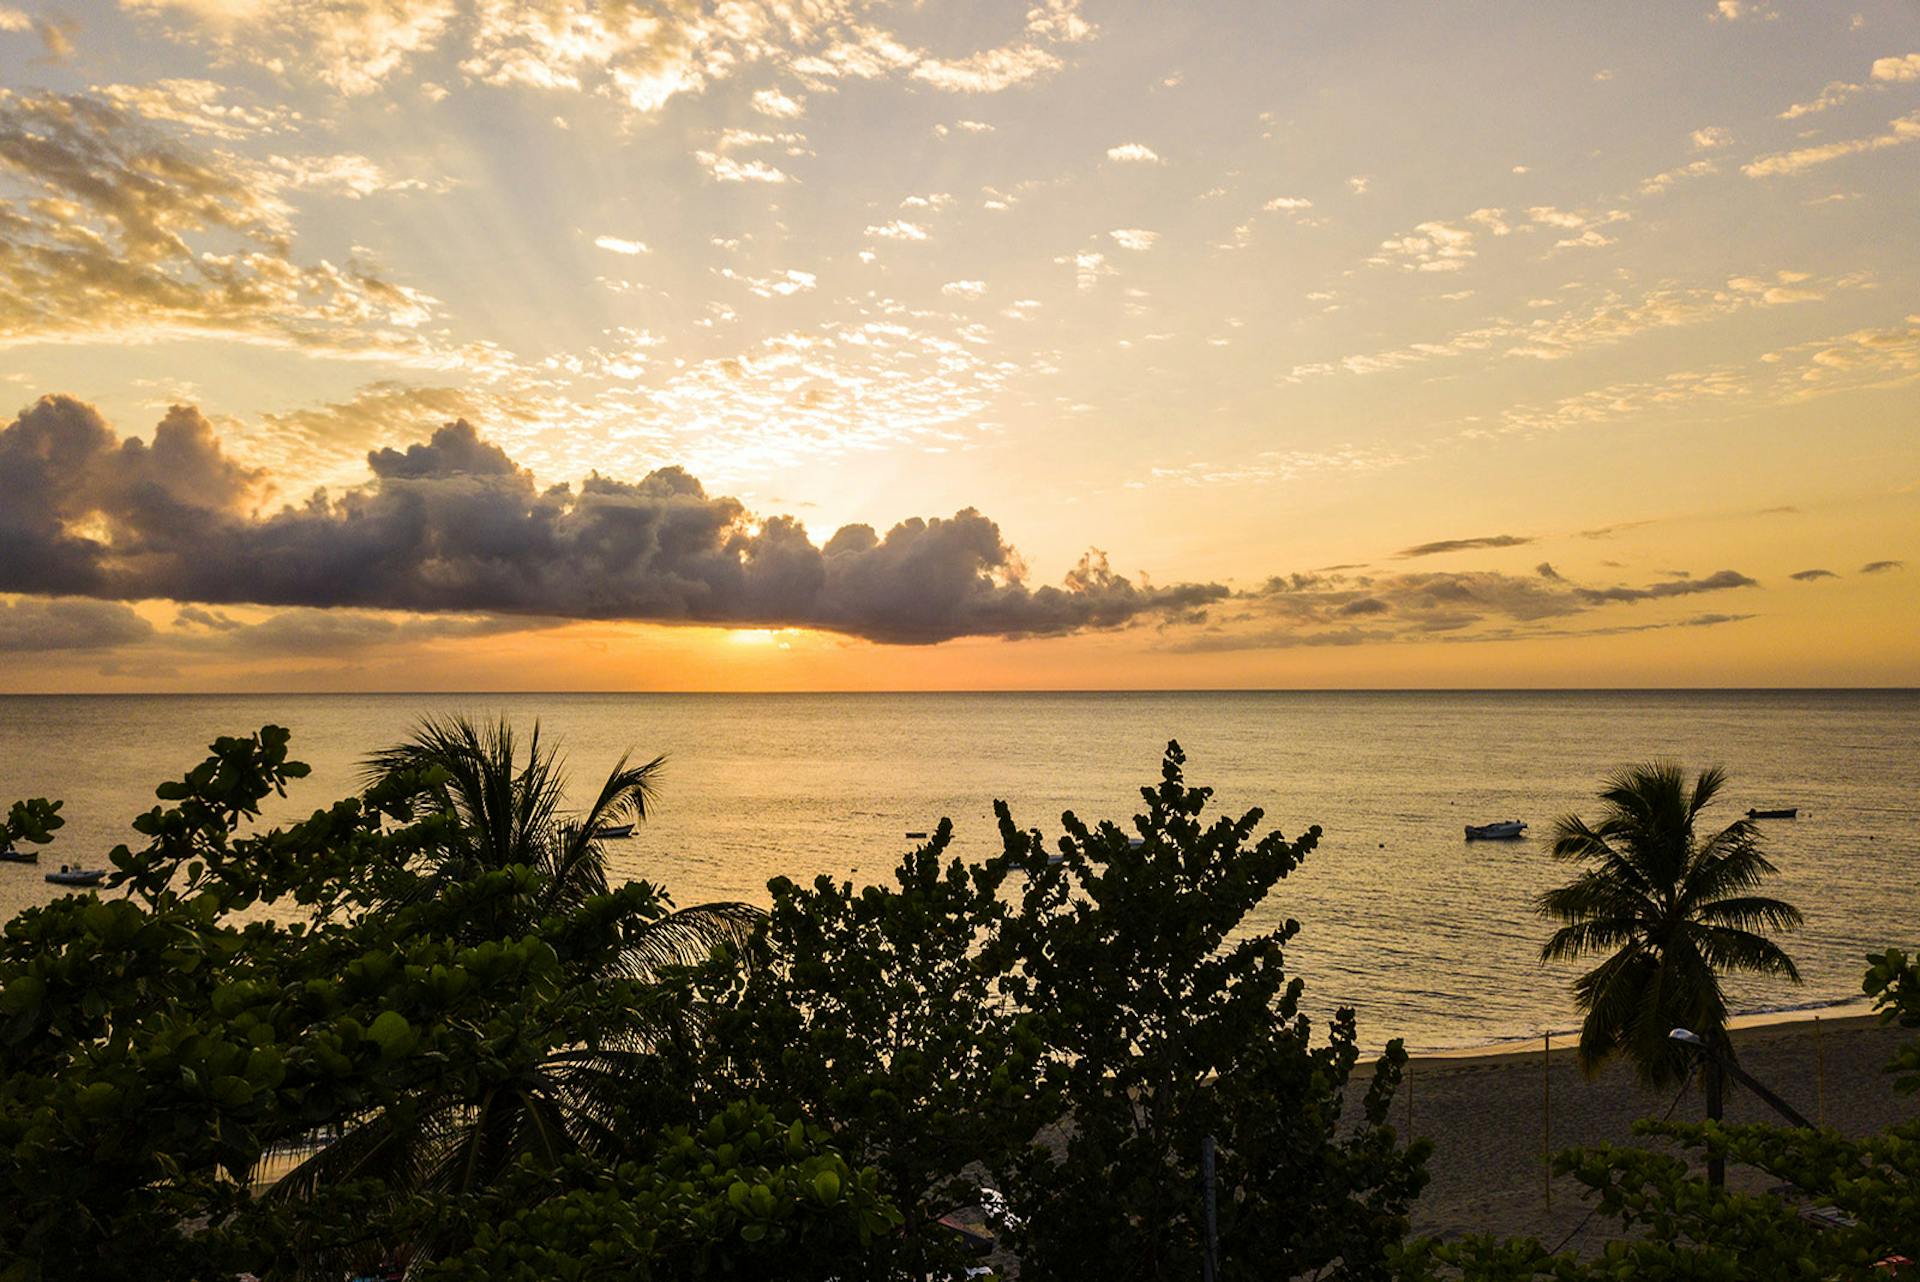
point(12, 856)
point(77, 876)
point(1787, 813)
point(605, 831)
point(1505, 830)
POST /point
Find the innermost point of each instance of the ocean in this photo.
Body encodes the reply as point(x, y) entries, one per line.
point(1432, 938)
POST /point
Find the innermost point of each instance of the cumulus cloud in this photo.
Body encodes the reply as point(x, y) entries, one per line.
point(1463, 545)
point(1133, 153)
point(1901, 69)
point(453, 525)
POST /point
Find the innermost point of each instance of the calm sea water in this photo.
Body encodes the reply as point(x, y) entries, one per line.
point(1430, 937)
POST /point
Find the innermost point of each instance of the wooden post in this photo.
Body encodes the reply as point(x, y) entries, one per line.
point(1819, 1074)
point(1546, 1113)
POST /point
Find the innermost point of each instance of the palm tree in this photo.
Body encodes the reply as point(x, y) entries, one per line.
point(1672, 913)
point(508, 811)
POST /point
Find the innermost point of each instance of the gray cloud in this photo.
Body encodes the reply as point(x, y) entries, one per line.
point(1546, 571)
point(41, 626)
point(1320, 609)
point(1808, 576)
point(1718, 581)
point(1463, 545)
point(452, 525)
point(1881, 567)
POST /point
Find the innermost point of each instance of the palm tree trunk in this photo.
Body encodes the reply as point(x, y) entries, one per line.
point(1716, 1092)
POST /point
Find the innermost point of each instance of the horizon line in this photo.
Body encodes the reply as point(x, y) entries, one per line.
point(1036, 690)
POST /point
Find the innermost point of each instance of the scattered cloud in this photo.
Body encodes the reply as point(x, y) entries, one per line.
point(1338, 609)
point(1463, 545)
point(1133, 153)
point(135, 232)
point(1710, 137)
point(1904, 130)
point(616, 245)
point(1136, 239)
point(1808, 576)
point(1718, 581)
point(1882, 567)
point(1835, 93)
point(968, 289)
point(772, 102)
point(1660, 182)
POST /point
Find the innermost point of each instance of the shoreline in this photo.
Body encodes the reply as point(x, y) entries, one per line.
point(1494, 1117)
point(1837, 1010)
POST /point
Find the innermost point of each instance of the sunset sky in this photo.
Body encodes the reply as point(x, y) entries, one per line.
point(1140, 345)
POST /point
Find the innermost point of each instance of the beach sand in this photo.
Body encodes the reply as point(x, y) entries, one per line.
point(1484, 1115)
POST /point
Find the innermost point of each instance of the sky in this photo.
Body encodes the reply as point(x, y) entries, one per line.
point(823, 344)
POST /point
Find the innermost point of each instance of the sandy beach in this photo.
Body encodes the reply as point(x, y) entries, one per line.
point(1485, 1116)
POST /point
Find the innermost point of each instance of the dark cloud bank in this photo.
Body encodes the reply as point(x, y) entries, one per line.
point(453, 525)
point(453, 529)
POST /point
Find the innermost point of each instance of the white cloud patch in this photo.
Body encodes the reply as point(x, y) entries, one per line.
point(1904, 69)
point(1710, 137)
point(615, 244)
point(1835, 93)
point(989, 71)
point(1133, 153)
point(1898, 132)
point(728, 169)
point(968, 289)
point(772, 102)
point(1136, 239)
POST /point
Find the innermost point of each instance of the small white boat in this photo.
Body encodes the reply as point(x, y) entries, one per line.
point(77, 876)
point(606, 831)
point(1505, 830)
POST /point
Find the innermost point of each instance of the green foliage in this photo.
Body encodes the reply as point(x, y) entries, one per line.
point(34, 821)
point(1166, 1018)
point(1894, 984)
point(1670, 912)
point(479, 1058)
point(876, 1013)
point(154, 1048)
point(743, 1196)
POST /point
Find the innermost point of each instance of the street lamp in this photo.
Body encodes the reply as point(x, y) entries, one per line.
point(1688, 1037)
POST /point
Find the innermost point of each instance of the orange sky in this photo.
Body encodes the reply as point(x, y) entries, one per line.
point(1414, 347)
